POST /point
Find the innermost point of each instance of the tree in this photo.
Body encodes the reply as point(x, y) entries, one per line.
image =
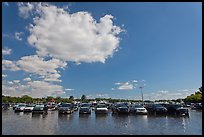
point(83, 97)
point(71, 98)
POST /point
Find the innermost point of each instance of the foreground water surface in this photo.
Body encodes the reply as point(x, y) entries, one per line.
point(91, 124)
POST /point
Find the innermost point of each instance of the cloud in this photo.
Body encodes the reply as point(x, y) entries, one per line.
point(25, 9)
point(6, 51)
point(126, 86)
point(6, 35)
point(27, 79)
point(32, 88)
point(4, 75)
point(129, 85)
point(9, 65)
point(69, 89)
point(163, 91)
point(16, 81)
point(134, 81)
point(45, 69)
point(75, 37)
point(164, 94)
point(18, 35)
point(118, 83)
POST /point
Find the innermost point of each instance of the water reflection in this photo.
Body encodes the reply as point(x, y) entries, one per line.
point(65, 116)
point(39, 115)
point(75, 123)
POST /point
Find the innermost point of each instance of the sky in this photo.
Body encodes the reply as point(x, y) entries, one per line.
point(102, 49)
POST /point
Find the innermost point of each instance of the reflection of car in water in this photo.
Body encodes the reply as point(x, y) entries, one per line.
point(85, 108)
point(101, 109)
point(138, 109)
point(156, 109)
point(40, 109)
point(65, 108)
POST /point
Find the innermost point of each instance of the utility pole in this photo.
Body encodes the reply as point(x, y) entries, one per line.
point(142, 95)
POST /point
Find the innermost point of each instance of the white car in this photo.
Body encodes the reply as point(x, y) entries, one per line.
point(101, 109)
point(29, 108)
point(20, 107)
point(138, 109)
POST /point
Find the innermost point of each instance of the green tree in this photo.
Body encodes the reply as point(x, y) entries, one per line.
point(83, 97)
point(71, 98)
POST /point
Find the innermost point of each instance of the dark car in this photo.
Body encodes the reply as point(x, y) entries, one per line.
point(40, 109)
point(65, 108)
point(85, 108)
point(5, 106)
point(177, 109)
point(198, 106)
point(156, 109)
point(120, 109)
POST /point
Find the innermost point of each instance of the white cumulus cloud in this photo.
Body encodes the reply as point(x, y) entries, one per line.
point(27, 79)
point(25, 9)
point(76, 37)
point(9, 65)
point(126, 86)
point(38, 65)
point(18, 35)
point(6, 51)
point(4, 75)
point(32, 88)
point(69, 89)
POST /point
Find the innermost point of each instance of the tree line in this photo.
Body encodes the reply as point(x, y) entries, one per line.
point(193, 98)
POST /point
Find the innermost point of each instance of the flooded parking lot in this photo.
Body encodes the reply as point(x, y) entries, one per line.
point(91, 124)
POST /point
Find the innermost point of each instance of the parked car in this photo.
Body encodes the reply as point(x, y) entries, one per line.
point(101, 109)
point(14, 106)
point(198, 106)
point(65, 108)
point(120, 108)
point(156, 109)
point(52, 106)
point(5, 106)
point(177, 109)
point(85, 108)
point(138, 109)
point(29, 108)
point(40, 109)
point(19, 108)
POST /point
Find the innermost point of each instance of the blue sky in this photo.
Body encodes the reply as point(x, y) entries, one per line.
point(124, 46)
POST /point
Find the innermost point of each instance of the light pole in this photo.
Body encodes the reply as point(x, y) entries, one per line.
point(142, 95)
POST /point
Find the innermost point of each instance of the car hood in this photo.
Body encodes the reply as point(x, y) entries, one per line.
point(101, 109)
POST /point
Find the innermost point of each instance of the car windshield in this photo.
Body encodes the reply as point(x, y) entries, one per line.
point(121, 105)
point(85, 105)
point(30, 105)
point(177, 106)
point(138, 106)
point(101, 106)
point(66, 105)
point(39, 105)
point(157, 105)
point(21, 105)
